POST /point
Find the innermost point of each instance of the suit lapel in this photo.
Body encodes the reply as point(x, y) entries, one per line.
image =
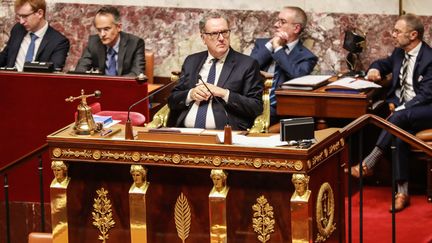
point(194, 79)
point(122, 52)
point(227, 68)
point(101, 53)
point(17, 45)
point(44, 42)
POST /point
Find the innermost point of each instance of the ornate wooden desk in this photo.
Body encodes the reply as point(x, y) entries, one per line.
point(321, 104)
point(192, 192)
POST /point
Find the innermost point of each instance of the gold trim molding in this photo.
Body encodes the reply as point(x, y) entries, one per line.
point(135, 157)
point(325, 153)
point(102, 214)
point(182, 217)
point(263, 219)
point(325, 212)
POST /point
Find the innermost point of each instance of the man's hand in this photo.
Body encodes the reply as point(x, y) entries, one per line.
point(200, 92)
point(373, 75)
point(279, 39)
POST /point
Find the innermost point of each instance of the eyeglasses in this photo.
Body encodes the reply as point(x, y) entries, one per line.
point(283, 22)
point(215, 35)
point(23, 16)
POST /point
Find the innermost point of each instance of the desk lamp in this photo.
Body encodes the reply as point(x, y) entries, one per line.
point(354, 43)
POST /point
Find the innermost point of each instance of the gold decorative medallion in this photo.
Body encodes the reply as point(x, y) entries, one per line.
point(136, 156)
point(57, 152)
point(325, 208)
point(96, 154)
point(257, 163)
point(182, 216)
point(217, 161)
point(102, 214)
point(263, 219)
point(298, 165)
point(176, 158)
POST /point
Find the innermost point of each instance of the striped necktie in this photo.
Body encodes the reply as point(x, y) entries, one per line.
point(403, 76)
point(31, 48)
point(200, 120)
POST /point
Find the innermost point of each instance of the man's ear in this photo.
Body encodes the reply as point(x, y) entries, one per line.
point(413, 35)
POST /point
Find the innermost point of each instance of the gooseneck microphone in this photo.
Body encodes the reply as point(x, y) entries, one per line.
point(128, 125)
point(227, 127)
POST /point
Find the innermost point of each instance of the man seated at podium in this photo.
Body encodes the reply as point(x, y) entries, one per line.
point(112, 51)
point(231, 77)
point(33, 39)
point(284, 54)
point(409, 98)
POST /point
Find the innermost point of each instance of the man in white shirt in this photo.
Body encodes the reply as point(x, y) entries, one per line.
point(33, 39)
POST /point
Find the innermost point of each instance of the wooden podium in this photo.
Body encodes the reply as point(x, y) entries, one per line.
point(193, 192)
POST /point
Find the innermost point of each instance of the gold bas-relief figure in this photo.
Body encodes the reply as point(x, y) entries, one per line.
point(217, 206)
point(301, 209)
point(137, 204)
point(325, 213)
point(58, 194)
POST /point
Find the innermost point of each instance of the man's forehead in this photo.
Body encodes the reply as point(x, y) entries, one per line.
point(24, 8)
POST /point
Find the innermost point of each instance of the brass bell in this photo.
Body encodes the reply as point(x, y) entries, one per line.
point(85, 124)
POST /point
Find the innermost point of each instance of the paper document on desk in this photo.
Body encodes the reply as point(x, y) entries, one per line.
point(250, 141)
point(353, 83)
point(308, 80)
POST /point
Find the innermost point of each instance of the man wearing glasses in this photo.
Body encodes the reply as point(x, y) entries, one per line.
point(409, 98)
point(112, 51)
point(231, 77)
point(284, 54)
point(33, 39)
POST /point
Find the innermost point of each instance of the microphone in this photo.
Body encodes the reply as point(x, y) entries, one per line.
point(128, 125)
point(227, 128)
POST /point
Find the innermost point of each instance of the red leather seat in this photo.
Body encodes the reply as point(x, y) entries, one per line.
point(137, 119)
point(39, 237)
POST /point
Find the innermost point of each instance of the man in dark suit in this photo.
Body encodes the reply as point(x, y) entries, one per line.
point(32, 39)
point(409, 97)
point(233, 79)
point(112, 51)
point(284, 54)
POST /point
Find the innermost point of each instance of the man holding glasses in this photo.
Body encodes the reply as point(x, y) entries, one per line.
point(284, 54)
point(233, 79)
point(33, 39)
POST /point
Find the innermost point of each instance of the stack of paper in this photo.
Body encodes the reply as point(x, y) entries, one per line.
point(352, 83)
point(308, 82)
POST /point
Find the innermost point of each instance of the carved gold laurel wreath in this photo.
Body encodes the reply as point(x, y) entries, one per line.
point(263, 219)
point(182, 216)
point(102, 214)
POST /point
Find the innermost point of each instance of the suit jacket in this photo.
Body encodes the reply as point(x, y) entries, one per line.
point(240, 74)
point(130, 57)
point(299, 62)
point(54, 47)
point(422, 77)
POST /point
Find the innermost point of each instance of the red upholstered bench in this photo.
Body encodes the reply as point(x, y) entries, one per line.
point(137, 118)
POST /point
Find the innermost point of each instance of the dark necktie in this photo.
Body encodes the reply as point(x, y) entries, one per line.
point(31, 48)
point(276, 76)
point(200, 120)
point(111, 69)
point(403, 76)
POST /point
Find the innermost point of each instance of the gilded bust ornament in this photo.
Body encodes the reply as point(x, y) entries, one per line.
point(139, 176)
point(301, 183)
point(60, 170)
point(219, 178)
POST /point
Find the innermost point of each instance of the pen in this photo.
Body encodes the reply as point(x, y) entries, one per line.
point(106, 132)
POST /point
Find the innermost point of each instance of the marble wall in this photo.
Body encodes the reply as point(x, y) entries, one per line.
point(172, 33)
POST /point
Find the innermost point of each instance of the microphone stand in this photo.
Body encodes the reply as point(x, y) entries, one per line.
point(128, 125)
point(227, 127)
